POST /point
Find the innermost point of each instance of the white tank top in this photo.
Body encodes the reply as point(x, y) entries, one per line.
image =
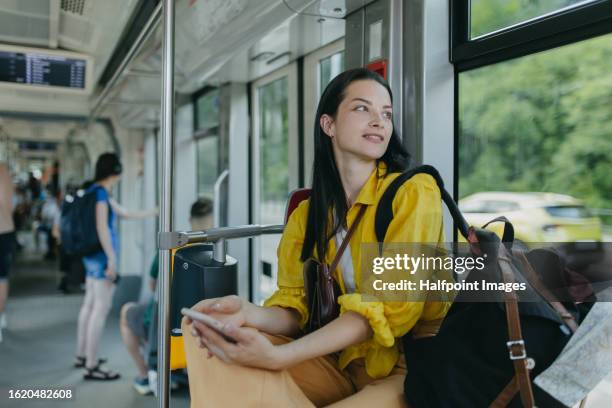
point(346, 262)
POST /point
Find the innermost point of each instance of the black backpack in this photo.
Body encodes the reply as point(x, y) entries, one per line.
point(467, 364)
point(78, 232)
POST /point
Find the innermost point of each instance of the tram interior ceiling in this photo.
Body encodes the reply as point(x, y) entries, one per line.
point(507, 99)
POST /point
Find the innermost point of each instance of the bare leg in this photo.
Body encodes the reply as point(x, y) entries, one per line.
point(4, 287)
point(3, 297)
point(84, 317)
point(103, 294)
point(131, 341)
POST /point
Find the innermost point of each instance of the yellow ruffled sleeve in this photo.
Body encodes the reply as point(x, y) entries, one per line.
point(417, 218)
point(290, 292)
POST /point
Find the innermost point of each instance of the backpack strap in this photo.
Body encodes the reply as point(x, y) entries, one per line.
point(521, 381)
point(384, 211)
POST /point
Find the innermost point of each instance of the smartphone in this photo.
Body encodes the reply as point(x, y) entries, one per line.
point(210, 322)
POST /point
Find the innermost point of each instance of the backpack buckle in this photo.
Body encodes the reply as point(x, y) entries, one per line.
point(522, 352)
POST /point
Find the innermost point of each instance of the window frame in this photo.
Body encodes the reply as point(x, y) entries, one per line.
point(552, 30)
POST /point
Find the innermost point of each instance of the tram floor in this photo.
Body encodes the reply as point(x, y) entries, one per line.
point(37, 351)
point(40, 353)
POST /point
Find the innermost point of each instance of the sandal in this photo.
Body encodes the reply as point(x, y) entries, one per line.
point(79, 362)
point(97, 374)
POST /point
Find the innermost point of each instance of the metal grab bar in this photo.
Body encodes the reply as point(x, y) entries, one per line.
point(167, 159)
point(177, 239)
point(219, 251)
point(217, 197)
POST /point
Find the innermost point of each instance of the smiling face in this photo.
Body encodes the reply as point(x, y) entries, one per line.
point(363, 124)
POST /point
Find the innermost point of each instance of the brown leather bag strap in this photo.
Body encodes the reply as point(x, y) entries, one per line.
point(507, 394)
point(346, 240)
point(516, 344)
point(535, 281)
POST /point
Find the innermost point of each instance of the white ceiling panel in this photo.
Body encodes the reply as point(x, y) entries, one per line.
point(25, 22)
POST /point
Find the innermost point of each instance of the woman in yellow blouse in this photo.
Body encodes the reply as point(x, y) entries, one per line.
point(354, 360)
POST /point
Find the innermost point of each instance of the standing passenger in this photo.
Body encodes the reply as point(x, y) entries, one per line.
point(354, 361)
point(7, 237)
point(48, 215)
point(101, 268)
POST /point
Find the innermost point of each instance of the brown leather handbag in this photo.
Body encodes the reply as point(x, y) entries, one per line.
point(322, 289)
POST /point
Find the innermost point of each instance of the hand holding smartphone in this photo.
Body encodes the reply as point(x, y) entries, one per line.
point(210, 322)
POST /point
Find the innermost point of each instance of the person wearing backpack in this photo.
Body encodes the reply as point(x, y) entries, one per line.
point(101, 266)
point(355, 359)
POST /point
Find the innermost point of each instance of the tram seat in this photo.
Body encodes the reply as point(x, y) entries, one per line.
point(295, 198)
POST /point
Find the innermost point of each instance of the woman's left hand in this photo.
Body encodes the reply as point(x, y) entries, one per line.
point(251, 349)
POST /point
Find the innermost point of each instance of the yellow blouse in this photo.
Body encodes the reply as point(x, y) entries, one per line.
point(417, 217)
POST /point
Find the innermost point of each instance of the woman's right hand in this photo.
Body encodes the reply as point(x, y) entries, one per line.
point(111, 271)
point(228, 309)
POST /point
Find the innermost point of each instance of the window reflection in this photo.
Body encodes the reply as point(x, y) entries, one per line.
point(329, 68)
point(491, 15)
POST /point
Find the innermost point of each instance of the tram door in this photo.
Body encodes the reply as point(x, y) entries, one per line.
point(320, 67)
point(274, 171)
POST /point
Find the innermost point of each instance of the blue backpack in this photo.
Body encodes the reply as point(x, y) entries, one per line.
point(78, 231)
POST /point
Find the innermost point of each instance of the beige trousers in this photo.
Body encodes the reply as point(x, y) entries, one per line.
point(314, 383)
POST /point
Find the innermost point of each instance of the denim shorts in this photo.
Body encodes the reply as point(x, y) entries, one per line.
point(95, 265)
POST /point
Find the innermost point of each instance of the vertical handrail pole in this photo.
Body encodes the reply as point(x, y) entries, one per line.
point(219, 248)
point(167, 152)
point(217, 197)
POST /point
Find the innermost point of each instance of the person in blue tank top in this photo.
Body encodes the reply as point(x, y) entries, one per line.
point(101, 268)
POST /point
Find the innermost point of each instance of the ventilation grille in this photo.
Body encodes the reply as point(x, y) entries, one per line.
point(76, 32)
point(73, 6)
point(25, 23)
point(24, 29)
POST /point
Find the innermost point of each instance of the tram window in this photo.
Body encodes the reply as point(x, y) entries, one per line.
point(490, 15)
point(329, 68)
point(272, 174)
point(206, 123)
point(207, 161)
point(274, 149)
point(207, 110)
point(540, 123)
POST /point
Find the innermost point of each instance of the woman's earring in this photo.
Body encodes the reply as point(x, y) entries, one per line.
point(329, 132)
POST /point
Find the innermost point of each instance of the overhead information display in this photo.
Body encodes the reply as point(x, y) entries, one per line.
point(41, 69)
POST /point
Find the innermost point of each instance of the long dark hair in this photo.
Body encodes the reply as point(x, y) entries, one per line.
point(108, 164)
point(327, 190)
